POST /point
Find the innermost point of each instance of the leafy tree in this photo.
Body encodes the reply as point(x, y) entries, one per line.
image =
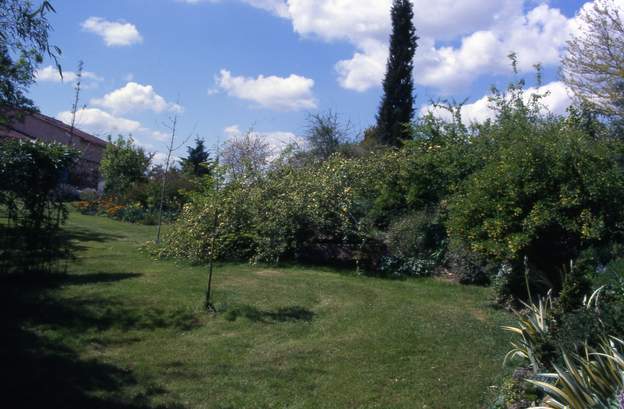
point(325, 134)
point(23, 45)
point(397, 105)
point(31, 173)
point(198, 162)
point(123, 164)
point(547, 191)
point(593, 67)
point(148, 194)
point(370, 138)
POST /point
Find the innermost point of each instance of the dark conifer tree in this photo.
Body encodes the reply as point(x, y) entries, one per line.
point(198, 162)
point(397, 105)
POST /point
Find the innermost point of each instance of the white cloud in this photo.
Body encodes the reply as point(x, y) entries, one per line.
point(559, 97)
point(362, 20)
point(232, 131)
point(135, 97)
point(114, 33)
point(460, 39)
point(277, 7)
point(366, 24)
point(160, 158)
point(537, 37)
point(449, 19)
point(160, 136)
point(366, 69)
point(557, 100)
point(99, 122)
point(51, 74)
point(352, 20)
point(284, 94)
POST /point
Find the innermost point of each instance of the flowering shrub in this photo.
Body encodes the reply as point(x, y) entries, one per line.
point(406, 266)
point(131, 213)
point(106, 205)
point(87, 207)
point(115, 211)
point(283, 214)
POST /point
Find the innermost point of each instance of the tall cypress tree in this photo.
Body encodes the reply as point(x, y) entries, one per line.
point(397, 105)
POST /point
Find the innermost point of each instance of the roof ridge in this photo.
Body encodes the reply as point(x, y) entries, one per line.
point(77, 132)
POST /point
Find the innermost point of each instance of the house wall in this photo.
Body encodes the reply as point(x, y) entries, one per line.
point(86, 173)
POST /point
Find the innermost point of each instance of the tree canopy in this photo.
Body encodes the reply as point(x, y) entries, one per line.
point(23, 45)
point(593, 67)
point(123, 164)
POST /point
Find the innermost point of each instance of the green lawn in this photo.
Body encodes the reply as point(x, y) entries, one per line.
point(122, 330)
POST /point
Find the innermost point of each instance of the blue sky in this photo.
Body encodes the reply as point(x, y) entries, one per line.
point(225, 66)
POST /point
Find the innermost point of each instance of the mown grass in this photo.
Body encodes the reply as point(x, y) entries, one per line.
point(122, 330)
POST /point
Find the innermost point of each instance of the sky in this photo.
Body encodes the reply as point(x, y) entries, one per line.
point(227, 66)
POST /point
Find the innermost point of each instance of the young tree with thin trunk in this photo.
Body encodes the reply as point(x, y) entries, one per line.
point(208, 305)
point(76, 101)
point(174, 123)
point(172, 126)
point(397, 105)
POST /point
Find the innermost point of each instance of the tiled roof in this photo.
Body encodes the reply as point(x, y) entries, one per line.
point(76, 132)
point(31, 127)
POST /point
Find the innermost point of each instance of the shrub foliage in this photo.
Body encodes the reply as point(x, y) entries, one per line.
point(513, 200)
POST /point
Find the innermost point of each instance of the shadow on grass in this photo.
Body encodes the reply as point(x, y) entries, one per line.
point(94, 278)
point(90, 235)
point(59, 279)
point(286, 314)
point(44, 337)
point(38, 373)
point(28, 251)
point(85, 314)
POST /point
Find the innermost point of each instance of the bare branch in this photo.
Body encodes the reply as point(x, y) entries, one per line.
point(594, 64)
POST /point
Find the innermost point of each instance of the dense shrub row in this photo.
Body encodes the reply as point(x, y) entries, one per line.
point(289, 212)
point(512, 199)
